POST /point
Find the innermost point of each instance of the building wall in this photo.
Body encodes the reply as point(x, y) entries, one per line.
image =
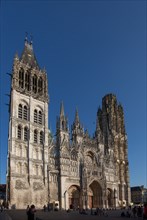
point(138, 194)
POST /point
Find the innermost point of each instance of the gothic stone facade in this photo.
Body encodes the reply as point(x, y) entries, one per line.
point(74, 169)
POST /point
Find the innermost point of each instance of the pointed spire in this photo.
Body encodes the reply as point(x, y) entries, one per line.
point(62, 109)
point(77, 117)
point(16, 56)
point(26, 39)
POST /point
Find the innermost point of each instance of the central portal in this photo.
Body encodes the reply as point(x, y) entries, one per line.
point(95, 195)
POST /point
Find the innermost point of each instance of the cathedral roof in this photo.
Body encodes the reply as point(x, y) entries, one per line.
point(28, 56)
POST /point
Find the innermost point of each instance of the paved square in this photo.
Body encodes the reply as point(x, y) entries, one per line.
point(62, 215)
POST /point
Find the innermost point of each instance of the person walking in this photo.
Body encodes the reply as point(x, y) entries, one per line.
point(1, 206)
point(31, 213)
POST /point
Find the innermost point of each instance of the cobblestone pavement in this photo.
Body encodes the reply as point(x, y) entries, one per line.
point(62, 215)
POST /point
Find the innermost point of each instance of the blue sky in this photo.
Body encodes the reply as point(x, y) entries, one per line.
point(89, 49)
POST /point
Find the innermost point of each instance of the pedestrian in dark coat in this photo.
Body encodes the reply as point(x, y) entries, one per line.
point(31, 213)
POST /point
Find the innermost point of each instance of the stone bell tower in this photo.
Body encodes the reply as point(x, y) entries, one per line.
point(28, 132)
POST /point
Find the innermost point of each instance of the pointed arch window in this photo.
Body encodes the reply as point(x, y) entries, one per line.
point(35, 116)
point(40, 117)
point(41, 137)
point(35, 84)
point(25, 134)
point(35, 136)
point(21, 78)
point(20, 111)
point(19, 131)
point(25, 113)
point(27, 81)
point(40, 85)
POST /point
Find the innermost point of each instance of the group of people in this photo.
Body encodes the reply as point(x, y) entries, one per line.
point(31, 212)
point(136, 211)
point(99, 212)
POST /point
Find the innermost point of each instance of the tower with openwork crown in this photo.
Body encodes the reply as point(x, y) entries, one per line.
point(74, 169)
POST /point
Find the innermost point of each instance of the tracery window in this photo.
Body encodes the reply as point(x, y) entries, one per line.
point(41, 137)
point(25, 113)
point(21, 78)
point(35, 84)
point(25, 134)
point(40, 117)
point(20, 111)
point(27, 81)
point(19, 131)
point(35, 116)
point(35, 136)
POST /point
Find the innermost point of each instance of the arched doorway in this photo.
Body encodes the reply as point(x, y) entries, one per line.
point(74, 197)
point(95, 195)
point(109, 198)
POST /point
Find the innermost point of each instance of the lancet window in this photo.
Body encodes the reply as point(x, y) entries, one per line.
point(25, 134)
point(35, 116)
point(40, 117)
point(35, 84)
point(21, 78)
point(20, 111)
point(19, 131)
point(25, 113)
point(40, 85)
point(35, 136)
point(41, 137)
point(27, 81)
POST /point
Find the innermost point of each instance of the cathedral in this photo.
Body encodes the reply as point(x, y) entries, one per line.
point(72, 170)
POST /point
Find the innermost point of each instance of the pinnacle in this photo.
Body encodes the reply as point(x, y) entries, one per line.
point(62, 109)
